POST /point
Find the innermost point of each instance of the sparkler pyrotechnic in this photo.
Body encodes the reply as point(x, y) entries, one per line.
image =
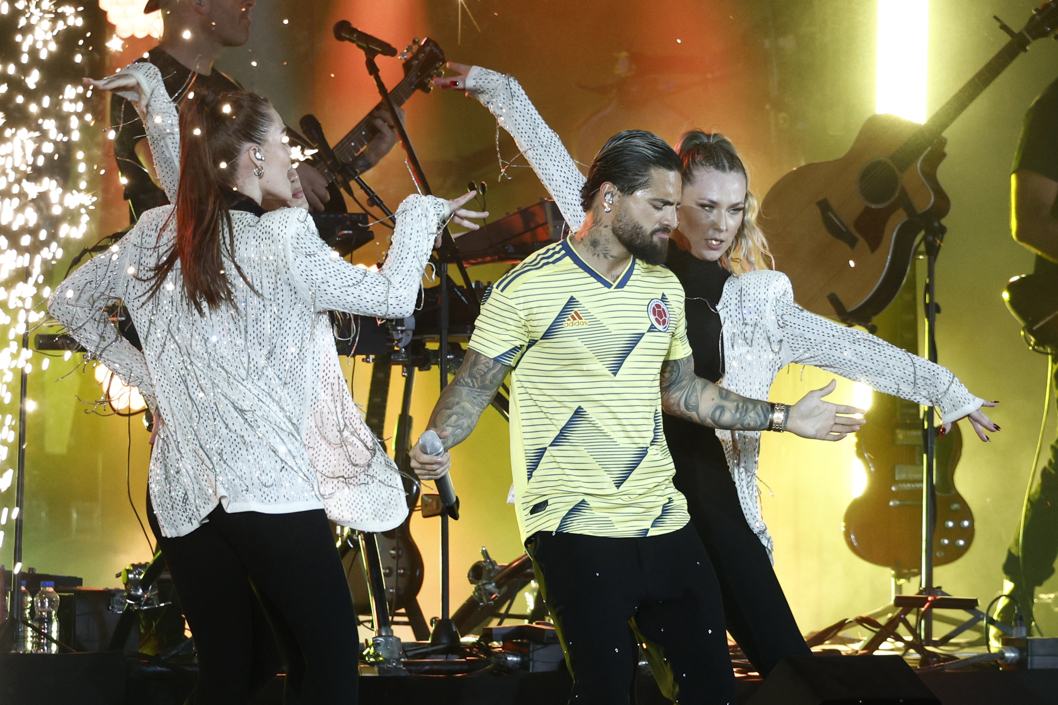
point(46, 129)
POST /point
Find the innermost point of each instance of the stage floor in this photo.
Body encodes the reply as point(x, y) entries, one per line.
point(112, 679)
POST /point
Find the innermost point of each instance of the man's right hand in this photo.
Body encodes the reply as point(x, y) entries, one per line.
point(430, 467)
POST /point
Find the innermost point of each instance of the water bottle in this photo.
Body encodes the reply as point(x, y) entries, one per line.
point(46, 618)
point(23, 613)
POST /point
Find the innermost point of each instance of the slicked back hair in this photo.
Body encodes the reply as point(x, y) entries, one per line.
point(626, 161)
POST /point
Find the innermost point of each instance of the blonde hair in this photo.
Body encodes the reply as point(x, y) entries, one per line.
point(704, 150)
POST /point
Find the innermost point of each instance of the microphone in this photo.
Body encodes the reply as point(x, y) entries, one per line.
point(430, 443)
point(314, 132)
point(345, 32)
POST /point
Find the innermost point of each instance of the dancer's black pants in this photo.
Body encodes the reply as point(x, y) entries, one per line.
point(1040, 546)
point(755, 609)
point(665, 585)
point(226, 570)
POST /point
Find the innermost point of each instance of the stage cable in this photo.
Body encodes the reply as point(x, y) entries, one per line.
point(1028, 490)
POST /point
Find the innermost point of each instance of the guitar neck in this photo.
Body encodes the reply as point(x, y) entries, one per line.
point(357, 139)
point(933, 128)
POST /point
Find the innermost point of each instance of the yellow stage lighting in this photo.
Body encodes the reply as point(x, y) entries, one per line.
point(903, 47)
point(858, 475)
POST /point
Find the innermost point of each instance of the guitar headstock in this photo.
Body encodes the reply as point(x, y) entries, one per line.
point(423, 60)
point(1043, 23)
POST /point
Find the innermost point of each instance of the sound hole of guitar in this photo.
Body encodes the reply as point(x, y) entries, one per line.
point(879, 183)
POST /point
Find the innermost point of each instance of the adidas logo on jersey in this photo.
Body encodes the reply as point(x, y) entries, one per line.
point(574, 320)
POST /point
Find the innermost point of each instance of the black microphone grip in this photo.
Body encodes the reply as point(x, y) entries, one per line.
point(430, 443)
point(345, 32)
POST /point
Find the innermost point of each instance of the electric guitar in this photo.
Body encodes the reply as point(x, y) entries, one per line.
point(422, 61)
point(883, 525)
point(402, 565)
point(845, 231)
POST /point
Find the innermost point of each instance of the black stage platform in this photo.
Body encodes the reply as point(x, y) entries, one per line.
point(113, 679)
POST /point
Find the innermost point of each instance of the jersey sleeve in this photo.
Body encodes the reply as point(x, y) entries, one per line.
point(679, 345)
point(500, 331)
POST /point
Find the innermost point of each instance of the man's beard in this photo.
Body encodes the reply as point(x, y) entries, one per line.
point(641, 244)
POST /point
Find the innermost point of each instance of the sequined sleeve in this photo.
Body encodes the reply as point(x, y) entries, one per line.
point(82, 301)
point(332, 284)
point(161, 121)
point(506, 100)
point(862, 357)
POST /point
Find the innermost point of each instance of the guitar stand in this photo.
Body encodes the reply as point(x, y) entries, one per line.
point(929, 597)
point(901, 618)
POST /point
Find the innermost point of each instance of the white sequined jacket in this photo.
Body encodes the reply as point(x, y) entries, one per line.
point(256, 412)
point(763, 329)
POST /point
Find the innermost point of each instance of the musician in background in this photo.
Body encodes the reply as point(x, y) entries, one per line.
point(1034, 222)
point(195, 34)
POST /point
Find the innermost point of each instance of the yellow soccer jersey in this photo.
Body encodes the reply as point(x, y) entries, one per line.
point(587, 448)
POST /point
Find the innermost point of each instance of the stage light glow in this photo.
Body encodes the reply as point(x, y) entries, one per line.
point(128, 18)
point(119, 395)
point(861, 396)
point(903, 47)
point(858, 476)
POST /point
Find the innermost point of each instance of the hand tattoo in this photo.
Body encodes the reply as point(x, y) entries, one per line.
point(690, 397)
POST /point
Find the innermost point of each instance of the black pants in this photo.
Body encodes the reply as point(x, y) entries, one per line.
point(594, 586)
point(755, 609)
point(1040, 546)
point(236, 568)
point(273, 647)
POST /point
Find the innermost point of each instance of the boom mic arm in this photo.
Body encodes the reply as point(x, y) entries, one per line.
point(345, 32)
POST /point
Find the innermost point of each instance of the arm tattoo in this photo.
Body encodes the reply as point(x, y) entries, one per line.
point(462, 401)
point(690, 397)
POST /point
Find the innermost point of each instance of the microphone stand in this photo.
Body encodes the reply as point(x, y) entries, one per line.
point(346, 173)
point(445, 633)
point(9, 628)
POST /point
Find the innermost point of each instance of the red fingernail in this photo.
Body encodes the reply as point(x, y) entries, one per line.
point(942, 432)
point(997, 426)
point(453, 83)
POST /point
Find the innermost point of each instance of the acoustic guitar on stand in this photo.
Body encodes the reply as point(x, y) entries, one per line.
point(845, 231)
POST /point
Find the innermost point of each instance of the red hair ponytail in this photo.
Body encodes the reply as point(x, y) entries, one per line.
point(214, 132)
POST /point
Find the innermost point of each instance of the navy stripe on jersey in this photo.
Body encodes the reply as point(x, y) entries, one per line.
point(625, 277)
